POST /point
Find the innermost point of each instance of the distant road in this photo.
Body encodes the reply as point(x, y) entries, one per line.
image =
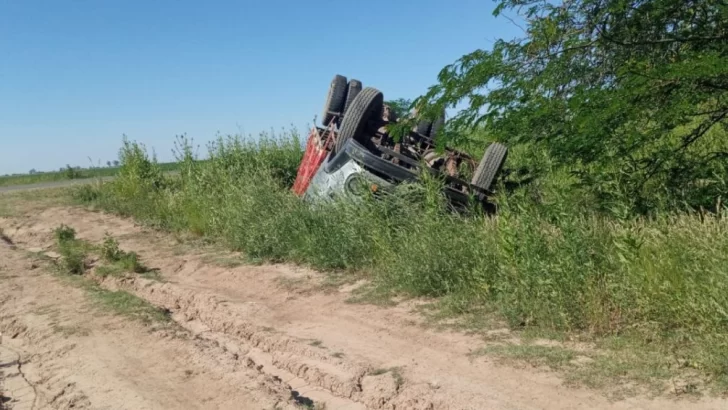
point(52, 184)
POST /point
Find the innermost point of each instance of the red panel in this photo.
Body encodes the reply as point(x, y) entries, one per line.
point(312, 158)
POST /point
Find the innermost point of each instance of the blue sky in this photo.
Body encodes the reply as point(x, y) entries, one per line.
point(77, 74)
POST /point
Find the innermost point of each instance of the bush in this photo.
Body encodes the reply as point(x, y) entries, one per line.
point(127, 261)
point(73, 252)
point(110, 249)
point(64, 234)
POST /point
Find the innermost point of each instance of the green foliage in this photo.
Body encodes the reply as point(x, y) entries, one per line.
point(73, 251)
point(545, 262)
point(64, 234)
point(69, 172)
point(126, 304)
point(124, 261)
point(401, 106)
point(630, 97)
point(85, 193)
point(110, 249)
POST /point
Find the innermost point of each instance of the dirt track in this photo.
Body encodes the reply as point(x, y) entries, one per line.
point(247, 337)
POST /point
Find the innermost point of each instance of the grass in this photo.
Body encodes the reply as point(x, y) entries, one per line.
point(119, 302)
point(127, 304)
point(120, 260)
point(551, 261)
point(619, 364)
point(67, 174)
point(74, 252)
point(74, 263)
point(25, 202)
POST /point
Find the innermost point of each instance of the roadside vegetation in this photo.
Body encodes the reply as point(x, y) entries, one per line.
point(67, 173)
point(611, 226)
point(75, 263)
point(548, 262)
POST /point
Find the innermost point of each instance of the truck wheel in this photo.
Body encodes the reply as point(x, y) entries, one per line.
point(423, 127)
point(335, 99)
point(353, 90)
point(437, 126)
point(490, 165)
point(366, 106)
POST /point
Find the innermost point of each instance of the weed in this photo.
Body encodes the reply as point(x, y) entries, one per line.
point(110, 249)
point(64, 234)
point(121, 260)
point(317, 343)
point(113, 270)
point(122, 302)
point(85, 193)
point(119, 302)
point(126, 304)
point(73, 251)
point(74, 261)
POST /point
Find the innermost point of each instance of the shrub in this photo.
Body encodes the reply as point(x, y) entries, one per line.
point(128, 261)
point(73, 251)
point(64, 234)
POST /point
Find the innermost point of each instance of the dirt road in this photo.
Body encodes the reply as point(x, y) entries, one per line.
point(243, 337)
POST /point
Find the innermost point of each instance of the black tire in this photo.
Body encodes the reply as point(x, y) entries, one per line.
point(352, 91)
point(367, 105)
point(490, 165)
point(423, 127)
point(437, 126)
point(334, 99)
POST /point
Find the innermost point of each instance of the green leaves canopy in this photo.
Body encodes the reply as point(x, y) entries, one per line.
point(633, 93)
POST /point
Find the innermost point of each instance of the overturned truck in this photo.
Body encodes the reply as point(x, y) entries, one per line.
point(353, 150)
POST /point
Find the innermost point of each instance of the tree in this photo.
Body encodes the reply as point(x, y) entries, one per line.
point(400, 106)
point(116, 163)
point(32, 171)
point(629, 94)
point(108, 164)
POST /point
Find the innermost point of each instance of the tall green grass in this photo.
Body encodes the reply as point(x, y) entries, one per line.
point(546, 261)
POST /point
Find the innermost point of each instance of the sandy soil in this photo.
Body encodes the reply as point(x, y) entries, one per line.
point(251, 337)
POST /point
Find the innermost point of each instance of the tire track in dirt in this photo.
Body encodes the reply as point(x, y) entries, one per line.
point(343, 378)
point(73, 357)
point(316, 342)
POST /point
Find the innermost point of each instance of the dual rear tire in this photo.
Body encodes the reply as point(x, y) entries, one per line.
point(355, 108)
point(339, 98)
point(431, 129)
point(365, 107)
